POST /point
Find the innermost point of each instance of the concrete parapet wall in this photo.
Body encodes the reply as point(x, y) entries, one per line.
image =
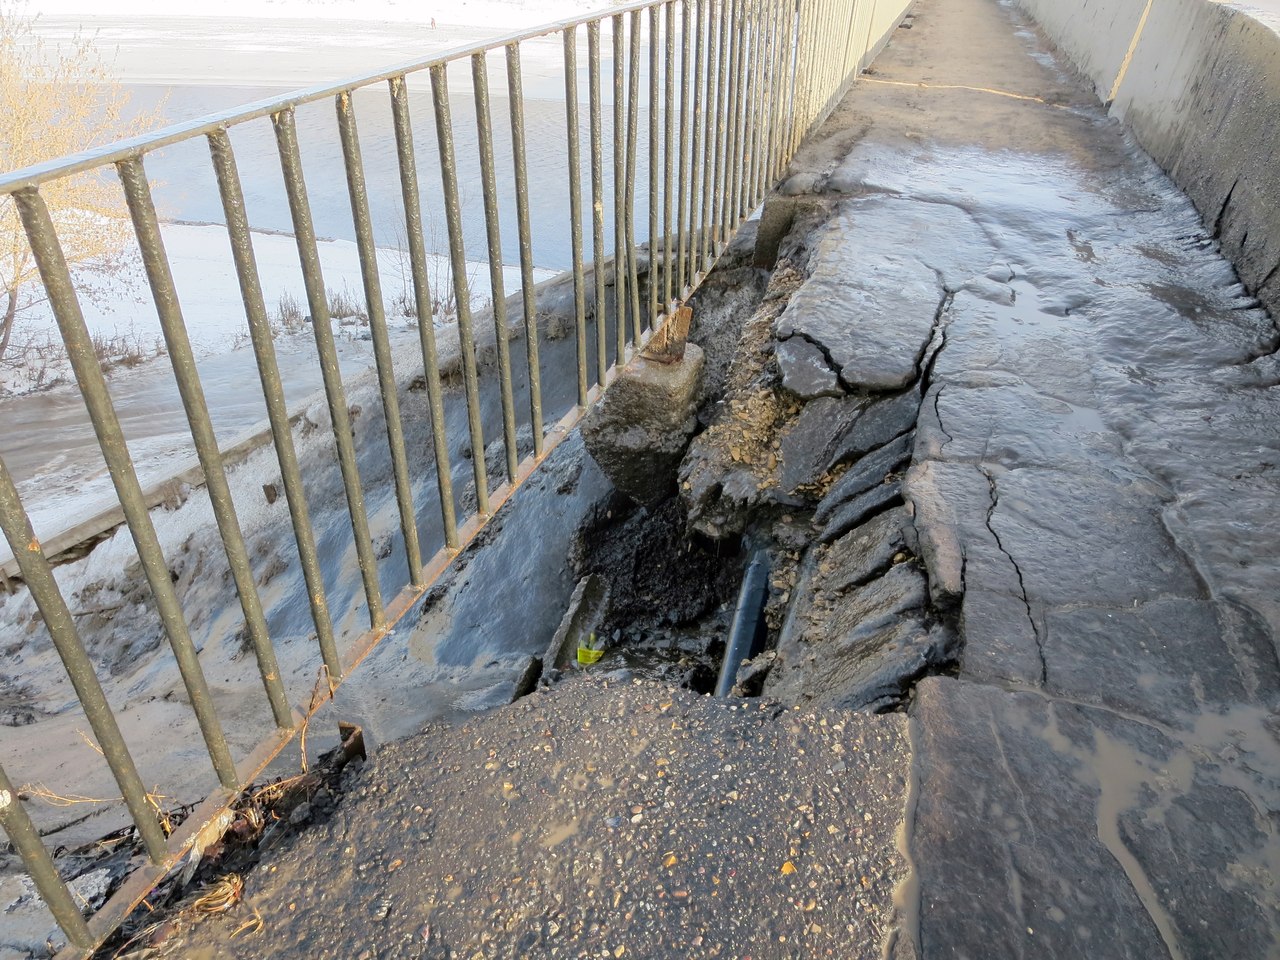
point(1198, 83)
point(883, 19)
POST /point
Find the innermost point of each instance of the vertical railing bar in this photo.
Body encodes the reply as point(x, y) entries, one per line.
point(619, 195)
point(655, 295)
point(597, 198)
point(847, 15)
point(767, 111)
point(777, 107)
point(232, 195)
point(493, 237)
point(37, 574)
point(820, 60)
point(846, 63)
point(752, 84)
point(695, 199)
point(815, 67)
point(829, 58)
point(722, 96)
point(778, 121)
point(800, 77)
point(865, 59)
point(461, 289)
point(827, 48)
point(764, 109)
point(731, 121)
point(633, 111)
point(791, 17)
point(736, 84)
point(839, 16)
point(357, 189)
point(402, 123)
point(25, 838)
point(52, 265)
point(760, 143)
point(734, 36)
point(321, 326)
point(786, 106)
point(146, 226)
point(750, 80)
point(808, 35)
point(685, 175)
point(528, 290)
point(786, 109)
point(854, 31)
point(793, 71)
point(575, 204)
point(669, 110)
point(711, 112)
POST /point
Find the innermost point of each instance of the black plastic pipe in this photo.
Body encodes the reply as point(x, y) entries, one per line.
point(747, 636)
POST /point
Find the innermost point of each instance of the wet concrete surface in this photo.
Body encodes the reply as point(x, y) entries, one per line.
point(1091, 492)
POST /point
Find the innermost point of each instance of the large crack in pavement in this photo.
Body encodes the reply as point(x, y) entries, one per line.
point(994, 494)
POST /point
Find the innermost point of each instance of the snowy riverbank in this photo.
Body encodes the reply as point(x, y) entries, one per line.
point(287, 43)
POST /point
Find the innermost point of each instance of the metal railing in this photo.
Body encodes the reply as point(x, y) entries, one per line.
point(733, 87)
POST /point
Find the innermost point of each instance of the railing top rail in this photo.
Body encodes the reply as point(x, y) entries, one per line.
point(33, 176)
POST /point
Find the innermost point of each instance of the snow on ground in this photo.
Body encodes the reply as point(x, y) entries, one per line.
point(511, 14)
point(118, 307)
point(47, 442)
point(297, 43)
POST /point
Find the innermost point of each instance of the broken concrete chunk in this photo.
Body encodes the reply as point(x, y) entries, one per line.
point(641, 427)
point(886, 669)
point(859, 509)
point(881, 422)
point(751, 675)
point(861, 648)
point(863, 553)
point(898, 595)
point(868, 472)
point(584, 615)
point(874, 308)
point(809, 442)
point(936, 493)
point(805, 370)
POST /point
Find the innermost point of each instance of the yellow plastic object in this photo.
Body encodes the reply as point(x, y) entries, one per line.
point(587, 656)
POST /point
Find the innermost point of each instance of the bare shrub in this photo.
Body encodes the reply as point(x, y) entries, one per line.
point(345, 306)
point(289, 317)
